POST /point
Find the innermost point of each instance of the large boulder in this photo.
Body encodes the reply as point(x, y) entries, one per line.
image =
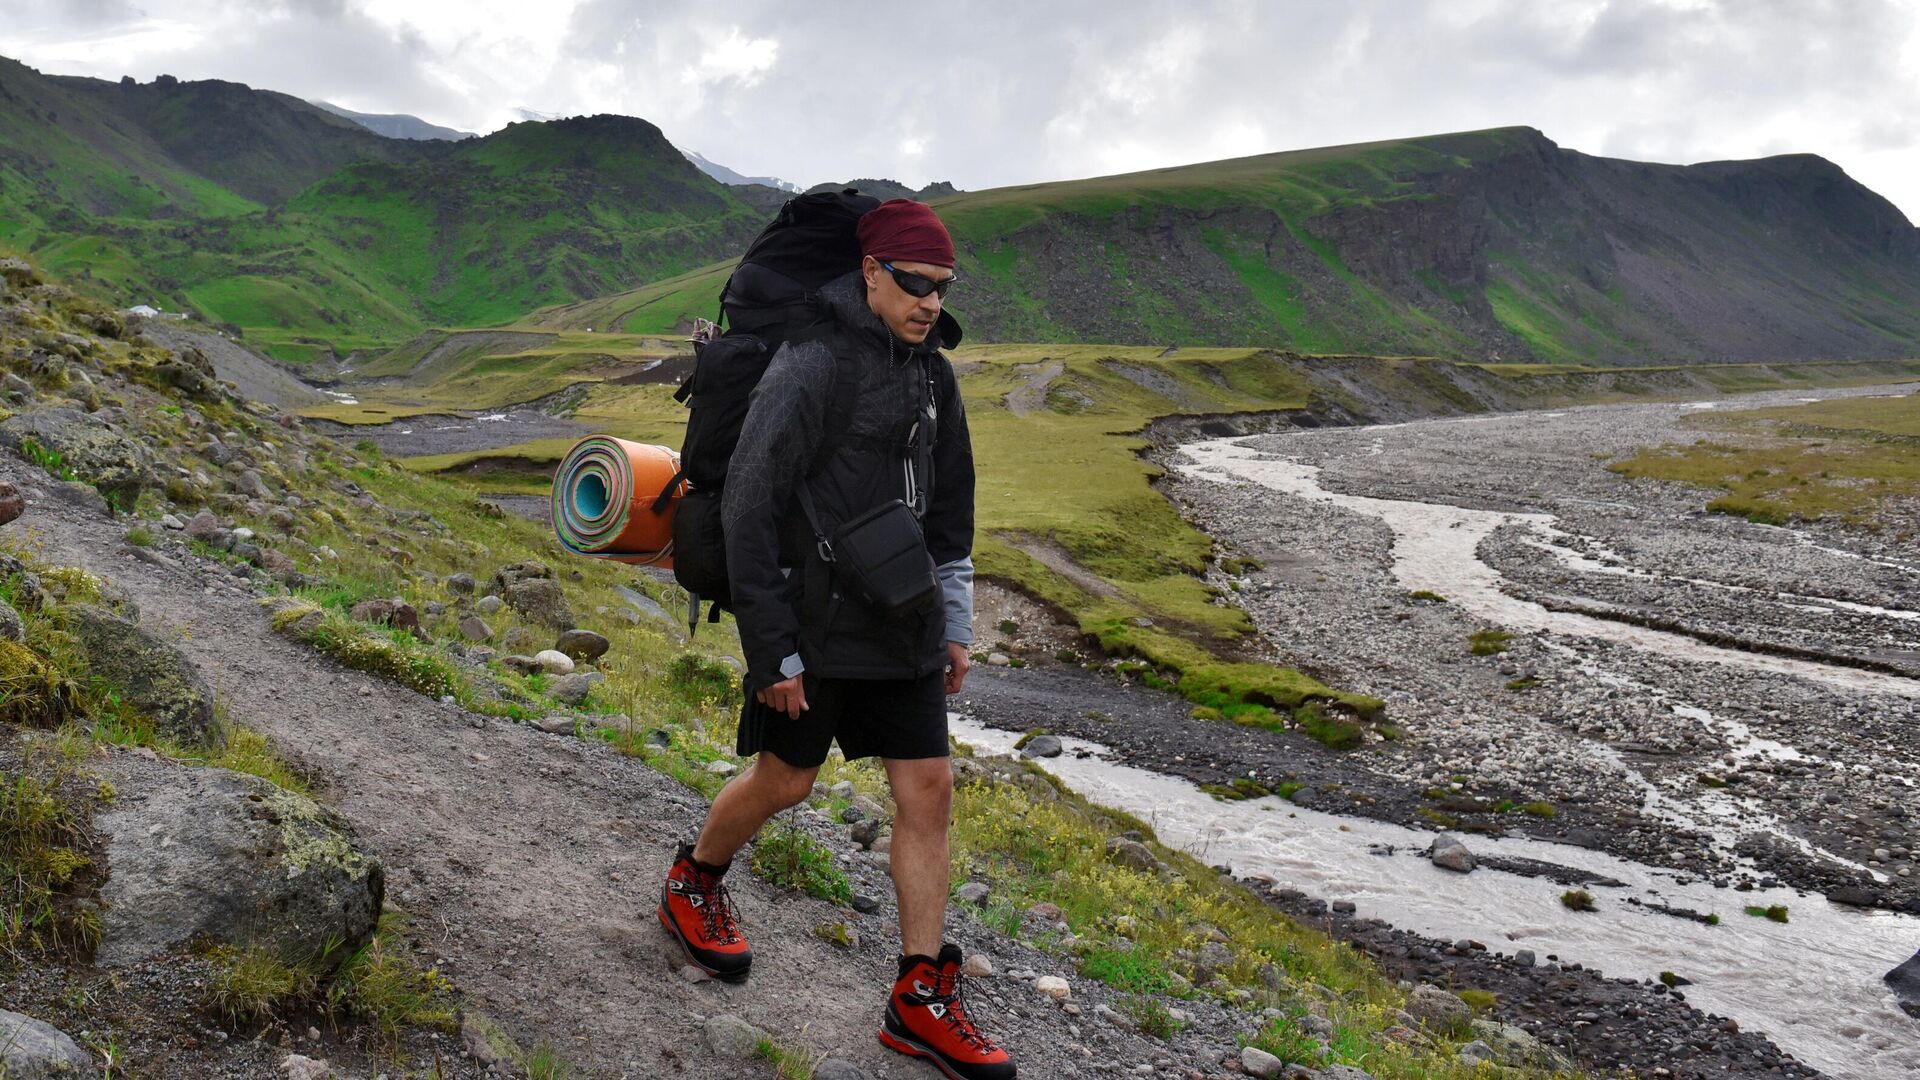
point(204, 854)
point(86, 446)
point(1438, 1009)
point(32, 1050)
point(151, 674)
point(508, 576)
point(540, 600)
point(1905, 981)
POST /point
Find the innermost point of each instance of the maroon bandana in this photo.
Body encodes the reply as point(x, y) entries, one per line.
point(901, 230)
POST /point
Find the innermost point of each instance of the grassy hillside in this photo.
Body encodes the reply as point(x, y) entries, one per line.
point(1493, 245)
point(311, 234)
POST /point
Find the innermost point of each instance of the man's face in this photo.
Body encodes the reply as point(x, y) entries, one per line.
point(910, 317)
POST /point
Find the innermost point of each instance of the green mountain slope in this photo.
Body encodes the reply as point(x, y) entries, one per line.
point(309, 233)
point(1482, 245)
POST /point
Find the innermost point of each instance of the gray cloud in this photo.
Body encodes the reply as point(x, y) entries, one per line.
point(990, 92)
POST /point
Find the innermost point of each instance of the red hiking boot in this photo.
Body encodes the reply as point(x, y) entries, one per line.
point(927, 1017)
point(696, 910)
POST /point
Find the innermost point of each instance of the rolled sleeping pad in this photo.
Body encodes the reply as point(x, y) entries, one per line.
point(604, 497)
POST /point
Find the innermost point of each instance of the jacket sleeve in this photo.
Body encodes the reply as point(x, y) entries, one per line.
point(785, 424)
point(949, 521)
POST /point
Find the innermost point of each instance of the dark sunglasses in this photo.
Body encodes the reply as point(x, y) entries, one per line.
point(919, 284)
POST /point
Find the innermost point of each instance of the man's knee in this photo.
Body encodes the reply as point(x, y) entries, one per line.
point(789, 785)
point(924, 788)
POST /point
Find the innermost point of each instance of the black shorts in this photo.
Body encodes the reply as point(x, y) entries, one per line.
point(887, 718)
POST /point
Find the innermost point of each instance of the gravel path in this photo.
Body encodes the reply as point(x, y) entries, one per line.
point(530, 863)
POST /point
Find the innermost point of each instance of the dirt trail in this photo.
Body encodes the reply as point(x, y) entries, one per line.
point(530, 862)
point(1032, 394)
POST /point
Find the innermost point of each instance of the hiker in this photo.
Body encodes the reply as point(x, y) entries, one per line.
point(835, 460)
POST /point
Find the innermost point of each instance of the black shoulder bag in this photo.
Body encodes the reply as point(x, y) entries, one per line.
point(881, 555)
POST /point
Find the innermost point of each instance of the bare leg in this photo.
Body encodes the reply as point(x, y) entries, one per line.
point(923, 797)
point(767, 787)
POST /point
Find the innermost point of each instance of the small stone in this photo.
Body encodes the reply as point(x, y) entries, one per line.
point(1477, 1051)
point(722, 768)
point(851, 814)
point(487, 605)
point(1042, 746)
point(168, 521)
point(1045, 911)
point(31, 1048)
point(1053, 986)
point(999, 660)
point(525, 665)
point(203, 527)
point(1436, 1008)
point(1132, 853)
point(583, 645)
point(1258, 1062)
point(554, 662)
point(865, 832)
point(12, 503)
point(300, 1067)
point(973, 892)
point(570, 689)
point(693, 974)
point(866, 903)
point(977, 966)
point(473, 628)
point(460, 584)
point(1344, 907)
point(882, 845)
point(557, 724)
point(1524, 958)
point(843, 789)
point(728, 1034)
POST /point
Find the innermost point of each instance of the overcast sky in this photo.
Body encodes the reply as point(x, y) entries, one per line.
point(992, 93)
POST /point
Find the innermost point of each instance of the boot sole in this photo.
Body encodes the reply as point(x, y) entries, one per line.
point(686, 950)
point(900, 1045)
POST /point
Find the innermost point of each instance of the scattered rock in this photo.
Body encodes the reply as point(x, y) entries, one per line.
point(865, 832)
point(1046, 912)
point(1042, 746)
point(1449, 853)
point(473, 628)
point(12, 503)
point(999, 660)
point(1905, 981)
point(583, 645)
point(728, 1034)
point(722, 768)
point(1258, 1062)
point(508, 576)
point(11, 628)
point(487, 1042)
point(1436, 1008)
point(300, 1067)
point(461, 584)
point(570, 689)
point(1053, 986)
point(487, 605)
point(973, 892)
point(1133, 854)
point(977, 965)
point(209, 854)
point(151, 674)
point(554, 662)
point(557, 724)
point(517, 637)
point(203, 527)
point(1477, 1051)
point(89, 448)
point(540, 600)
point(1514, 1046)
point(31, 1050)
point(525, 665)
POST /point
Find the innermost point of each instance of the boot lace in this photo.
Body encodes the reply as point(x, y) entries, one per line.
point(722, 927)
point(950, 992)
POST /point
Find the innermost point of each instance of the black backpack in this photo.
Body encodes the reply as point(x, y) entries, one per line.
point(770, 299)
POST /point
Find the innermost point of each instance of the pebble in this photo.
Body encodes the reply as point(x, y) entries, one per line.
point(168, 521)
point(1053, 986)
point(722, 768)
point(977, 965)
point(554, 662)
point(973, 892)
point(1258, 1062)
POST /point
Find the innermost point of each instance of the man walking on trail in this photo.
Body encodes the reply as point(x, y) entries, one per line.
point(844, 422)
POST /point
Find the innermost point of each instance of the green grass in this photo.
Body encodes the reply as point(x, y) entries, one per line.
point(1773, 913)
point(1577, 900)
point(790, 1061)
point(1841, 459)
point(1488, 642)
point(43, 861)
point(788, 857)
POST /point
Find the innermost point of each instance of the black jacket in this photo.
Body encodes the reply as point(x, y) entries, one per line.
point(836, 410)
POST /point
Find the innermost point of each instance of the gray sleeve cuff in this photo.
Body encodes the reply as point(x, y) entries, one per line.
point(791, 666)
point(956, 591)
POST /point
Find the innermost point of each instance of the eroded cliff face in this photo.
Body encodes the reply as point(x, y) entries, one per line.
point(1506, 248)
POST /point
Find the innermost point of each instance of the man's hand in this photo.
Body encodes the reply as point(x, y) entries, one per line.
point(959, 662)
point(788, 697)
